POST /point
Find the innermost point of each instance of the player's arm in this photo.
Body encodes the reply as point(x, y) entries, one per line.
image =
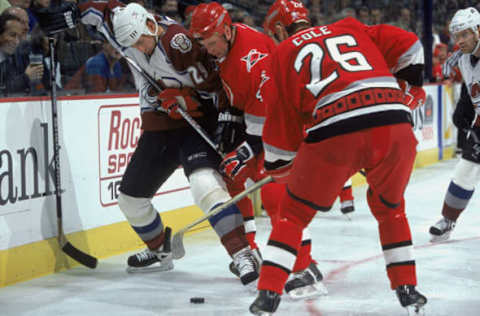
point(464, 111)
point(403, 52)
point(283, 128)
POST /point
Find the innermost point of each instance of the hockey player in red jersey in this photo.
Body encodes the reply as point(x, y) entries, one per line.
point(335, 83)
point(167, 52)
point(241, 53)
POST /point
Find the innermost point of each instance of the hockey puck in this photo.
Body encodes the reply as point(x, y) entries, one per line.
point(197, 300)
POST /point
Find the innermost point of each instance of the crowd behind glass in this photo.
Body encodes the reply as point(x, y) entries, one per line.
point(86, 64)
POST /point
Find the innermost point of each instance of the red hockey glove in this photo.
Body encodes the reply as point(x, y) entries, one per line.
point(415, 96)
point(234, 165)
point(171, 99)
point(280, 175)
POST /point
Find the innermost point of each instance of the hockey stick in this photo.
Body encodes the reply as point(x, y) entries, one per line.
point(159, 86)
point(178, 250)
point(66, 246)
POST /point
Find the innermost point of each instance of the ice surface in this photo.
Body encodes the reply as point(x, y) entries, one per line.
point(348, 253)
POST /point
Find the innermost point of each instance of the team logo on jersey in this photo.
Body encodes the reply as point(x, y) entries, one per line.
point(181, 42)
point(475, 90)
point(265, 78)
point(253, 57)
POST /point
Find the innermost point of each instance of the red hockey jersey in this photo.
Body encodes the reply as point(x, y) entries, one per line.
point(331, 80)
point(240, 72)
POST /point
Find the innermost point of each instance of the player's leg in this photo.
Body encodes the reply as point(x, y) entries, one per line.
point(142, 178)
point(388, 173)
point(305, 281)
point(313, 185)
point(460, 190)
point(246, 208)
point(209, 190)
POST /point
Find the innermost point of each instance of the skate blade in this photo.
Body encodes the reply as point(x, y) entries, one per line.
point(308, 292)
point(252, 287)
point(415, 310)
point(437, 239)
point(347, 216)
point(156, 267)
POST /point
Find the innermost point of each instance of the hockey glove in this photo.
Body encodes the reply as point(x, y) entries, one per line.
point(171, 99)
point(415, 96)
point(234, 165)
point(58, 18)
point(450, 63)
point(230, 130)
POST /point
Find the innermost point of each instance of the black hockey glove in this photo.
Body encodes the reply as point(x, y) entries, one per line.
point(59, 18)
point(230, 130)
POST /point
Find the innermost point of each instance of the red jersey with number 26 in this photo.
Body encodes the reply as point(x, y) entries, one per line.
point(332, 80)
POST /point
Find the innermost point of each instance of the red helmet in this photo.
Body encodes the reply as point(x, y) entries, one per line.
point(285, 12)
point(208, 18)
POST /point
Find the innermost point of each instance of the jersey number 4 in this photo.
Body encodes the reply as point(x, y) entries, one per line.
point(352, 61)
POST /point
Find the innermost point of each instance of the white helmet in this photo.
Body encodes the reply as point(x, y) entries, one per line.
point(130, 22)
point(468, 18)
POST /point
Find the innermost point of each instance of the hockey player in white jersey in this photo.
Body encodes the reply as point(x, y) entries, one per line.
point(166, 52)
point(464, 27)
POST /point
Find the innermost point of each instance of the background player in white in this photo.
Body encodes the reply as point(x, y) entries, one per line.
point(464, 27)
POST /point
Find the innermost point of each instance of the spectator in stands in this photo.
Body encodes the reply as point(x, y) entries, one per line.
point(16, 72)
point(347, 12)
point(170, 9)
point(376, 16)
point(440, 54)
point(101, 73)
point(4, 4)
point(405, 20)
point(364, 15)
point(35, 5)
point(23, 16)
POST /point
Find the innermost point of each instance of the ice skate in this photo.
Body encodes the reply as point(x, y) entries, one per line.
point(347, 207)
point(306, 283)
point(247, 267)
point(441, 230)
point(153, 261)
point(266, 303)
point(258, 258)
point(411, 299)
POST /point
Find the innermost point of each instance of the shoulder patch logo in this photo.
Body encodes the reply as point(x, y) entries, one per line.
point(181, 42)
point(252, 58)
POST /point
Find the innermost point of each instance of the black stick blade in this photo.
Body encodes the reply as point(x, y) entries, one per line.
point(80, 256)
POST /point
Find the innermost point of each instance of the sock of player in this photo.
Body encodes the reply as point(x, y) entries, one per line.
point(396, 240)
point(304, 257)
point(279, 256)
point(456, 200)
point(246, 208)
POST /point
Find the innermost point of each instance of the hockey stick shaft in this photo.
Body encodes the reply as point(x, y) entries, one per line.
point(66, 246)
point(159, 87)
point(178, 249)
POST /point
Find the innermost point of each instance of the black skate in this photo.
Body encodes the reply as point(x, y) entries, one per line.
point(411, 299)
point(266, 303)
point(150, 260)
point(347, 207)
point(441, 230)
point(306, 283)
point(258, 258)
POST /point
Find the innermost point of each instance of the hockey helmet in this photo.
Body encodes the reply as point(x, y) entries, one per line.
point(208, 19)
point(463, 19)
point(285, 12)
point(130, 22)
